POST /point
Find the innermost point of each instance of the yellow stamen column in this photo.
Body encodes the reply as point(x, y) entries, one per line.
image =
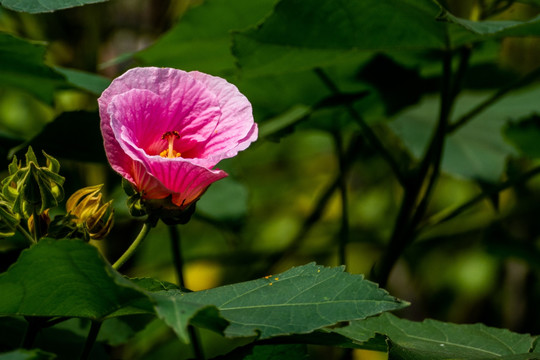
point(170, 136)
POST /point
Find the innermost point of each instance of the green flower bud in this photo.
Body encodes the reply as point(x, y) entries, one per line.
point(33, 188)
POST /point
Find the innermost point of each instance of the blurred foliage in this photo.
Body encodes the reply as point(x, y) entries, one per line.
point(347, 96)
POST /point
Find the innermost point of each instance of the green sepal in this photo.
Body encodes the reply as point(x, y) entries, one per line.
point(52, 164)
point(135, 205)
point(30, 156)
point(128, 187)
point(8, 220)
point(64, 227)
point(167, 211)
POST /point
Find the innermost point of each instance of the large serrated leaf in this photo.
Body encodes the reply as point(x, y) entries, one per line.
point(67, 278)
point(297, 301)
point(436, 340)
point(178, 314)
point(41, 6)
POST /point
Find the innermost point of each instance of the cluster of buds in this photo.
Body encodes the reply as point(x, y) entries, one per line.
point(30, 191)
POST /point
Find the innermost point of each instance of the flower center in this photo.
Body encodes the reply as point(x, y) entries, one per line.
point(170, 136)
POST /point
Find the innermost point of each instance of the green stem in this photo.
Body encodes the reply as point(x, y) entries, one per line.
point(34, 327)
point(446, 215)
point(463, 120)
point(178, 262)
point(373, 139)
point(344, 228)
point(129, 252)
point(318, 209)
point(176, 246)
point(91, 339)
point(418, 192)
point(26, 234)
point(37, 226)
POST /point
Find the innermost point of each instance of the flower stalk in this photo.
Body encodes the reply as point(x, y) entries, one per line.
point(134, 245)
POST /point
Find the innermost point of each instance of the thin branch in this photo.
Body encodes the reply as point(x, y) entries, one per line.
point(91, 339)
point(320, 206)
point(178, 261)
point(176, 245)
point(446, 215)
point(366, 129)
point(344, 227)
point(463, 120)
point(26, 234)
point(417, 195)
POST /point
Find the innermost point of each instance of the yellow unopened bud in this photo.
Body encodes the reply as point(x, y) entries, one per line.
point(93, 217)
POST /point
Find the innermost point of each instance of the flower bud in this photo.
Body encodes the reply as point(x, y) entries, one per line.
point(93, 218)
point(33, 188)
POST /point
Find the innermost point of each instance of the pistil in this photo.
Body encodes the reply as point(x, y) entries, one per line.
point(170, 136)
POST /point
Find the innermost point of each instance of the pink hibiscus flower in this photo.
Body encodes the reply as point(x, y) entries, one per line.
point(164, 130)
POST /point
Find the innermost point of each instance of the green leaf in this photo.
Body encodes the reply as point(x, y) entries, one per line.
point(478, 150)
point(470, 31)
point(199, 42)
point(301, 35)
point(72, 135)
point(94, 84)
point(23, 354)
point(276, 127)
point(22, 67)
point(267, 352)
point(525, 135)
point(224, 200)
point(297, 301)
point(178, 314)
point(67, 278)
point(435, 340)
point(40, 6)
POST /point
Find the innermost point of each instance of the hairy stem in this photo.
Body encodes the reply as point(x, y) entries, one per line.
point(134, 245)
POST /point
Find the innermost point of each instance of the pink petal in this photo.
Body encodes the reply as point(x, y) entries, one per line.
point(236, 129)
point(180, 103)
